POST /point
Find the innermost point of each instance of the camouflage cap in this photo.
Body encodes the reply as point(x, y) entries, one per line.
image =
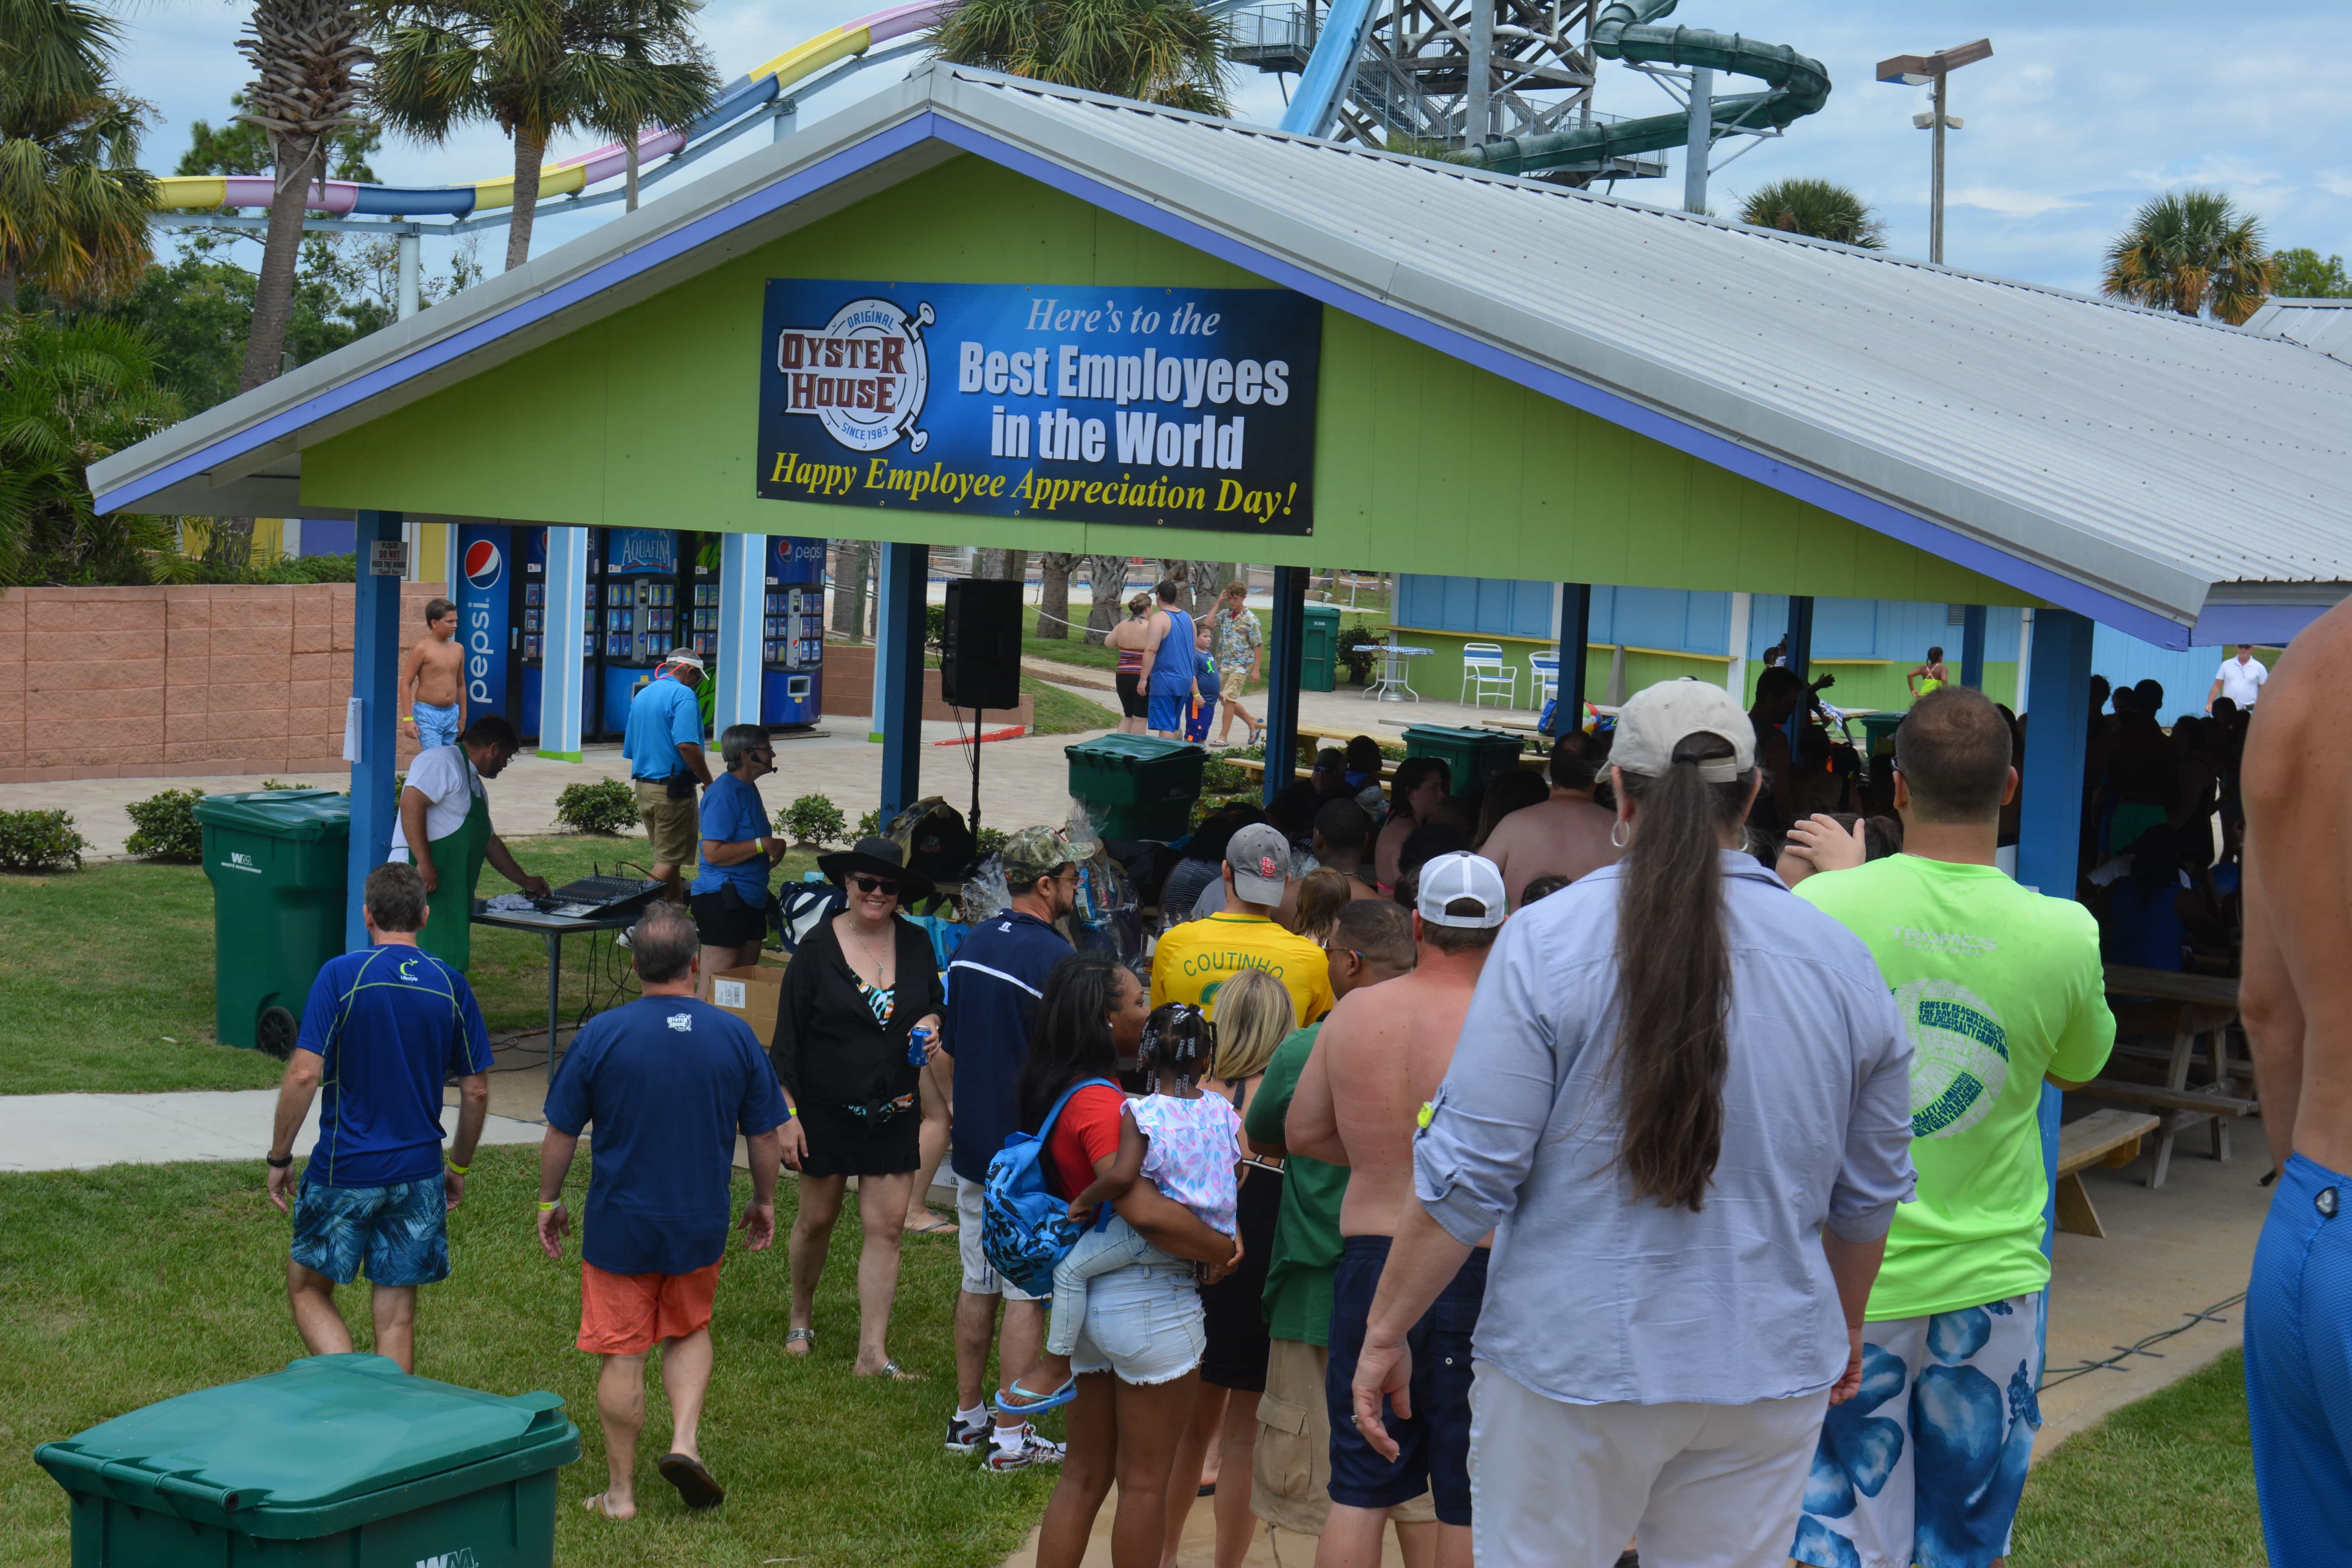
point(1035, 852)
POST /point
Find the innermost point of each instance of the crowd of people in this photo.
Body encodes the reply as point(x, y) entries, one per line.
point(1627, 1157)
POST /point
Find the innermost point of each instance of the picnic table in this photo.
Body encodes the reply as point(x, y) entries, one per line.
point(2102, 1138)
point(2161, 1017)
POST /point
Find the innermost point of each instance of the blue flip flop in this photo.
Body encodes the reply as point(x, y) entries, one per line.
point(1020, 1402)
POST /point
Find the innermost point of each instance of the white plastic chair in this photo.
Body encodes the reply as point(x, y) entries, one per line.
point(1485, 675)
point(1543, 675)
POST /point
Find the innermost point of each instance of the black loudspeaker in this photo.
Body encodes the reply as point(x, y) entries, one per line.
point(980, 653)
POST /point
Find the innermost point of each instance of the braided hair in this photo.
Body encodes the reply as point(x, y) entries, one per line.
point(1178, 1040)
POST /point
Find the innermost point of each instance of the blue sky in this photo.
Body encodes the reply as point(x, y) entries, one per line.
point(2084, 111)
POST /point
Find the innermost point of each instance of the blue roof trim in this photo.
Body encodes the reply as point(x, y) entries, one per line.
point(2265, 626)
point(886, 143)
point(1879, 516)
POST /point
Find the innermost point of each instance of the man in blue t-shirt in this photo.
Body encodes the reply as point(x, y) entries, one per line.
point(383, 1029)
point(663, 743)
point(730, 896)
point(993, 984)
point(667, 1082)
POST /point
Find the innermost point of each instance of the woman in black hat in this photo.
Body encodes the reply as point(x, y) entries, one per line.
point(857, 987)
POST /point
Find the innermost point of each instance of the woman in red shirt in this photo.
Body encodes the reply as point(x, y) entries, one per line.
point(1139, 1355)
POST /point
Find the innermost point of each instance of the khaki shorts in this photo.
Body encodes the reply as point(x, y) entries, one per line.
point(673, 826)
point(1292, 1466)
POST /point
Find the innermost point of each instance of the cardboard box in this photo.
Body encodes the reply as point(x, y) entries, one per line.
point(750, 993)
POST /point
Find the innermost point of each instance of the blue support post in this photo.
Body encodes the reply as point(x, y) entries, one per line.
point(1973, 643)
point(902, 593)
point(1283, 661)
point(2049, 816)
point(375, 672)
point(1575, 631)
point(743, 609)
point(563, 662)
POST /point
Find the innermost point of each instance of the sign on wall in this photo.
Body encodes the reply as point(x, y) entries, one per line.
point(1169, 408)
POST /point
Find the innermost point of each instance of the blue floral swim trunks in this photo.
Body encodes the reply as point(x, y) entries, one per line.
point(400, 1232)
point(1925, 1466)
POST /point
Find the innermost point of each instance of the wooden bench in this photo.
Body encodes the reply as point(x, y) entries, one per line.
point(2102, 1138)
point(2179, 1011)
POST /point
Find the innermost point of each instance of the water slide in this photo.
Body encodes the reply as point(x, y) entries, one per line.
point(744, 96)
point(1624, 30)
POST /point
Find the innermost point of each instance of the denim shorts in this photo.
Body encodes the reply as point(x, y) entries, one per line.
point(401, 1232)
point(1144, 1322)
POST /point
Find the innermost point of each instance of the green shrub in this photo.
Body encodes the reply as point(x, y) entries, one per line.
point(164, 826)
point(869, 826)
point(814, 821)
point(1218, 776)
point(39, 841)
point(988, 841)
point(1358, 648)
point(608, 806)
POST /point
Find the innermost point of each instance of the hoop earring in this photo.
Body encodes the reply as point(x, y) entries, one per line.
point(1617, 833)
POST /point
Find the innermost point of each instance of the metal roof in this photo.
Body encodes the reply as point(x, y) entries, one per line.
point(2131, 463)
point(2322, 324)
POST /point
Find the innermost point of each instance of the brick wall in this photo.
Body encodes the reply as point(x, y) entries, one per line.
point(175, 682)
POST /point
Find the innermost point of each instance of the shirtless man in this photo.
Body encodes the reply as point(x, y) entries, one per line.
point(1565, 836)
point(432, 679)
point(1381, 1056)
point(1343, 840)
point(2297, 997)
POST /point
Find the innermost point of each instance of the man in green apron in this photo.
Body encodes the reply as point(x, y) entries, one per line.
point(444, 809)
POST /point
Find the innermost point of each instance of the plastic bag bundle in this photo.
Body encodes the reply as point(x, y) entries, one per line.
point(984, 892)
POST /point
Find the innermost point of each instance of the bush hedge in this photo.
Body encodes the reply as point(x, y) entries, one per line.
point(813, 821)
point(608, 806)
point(164, 826)
point(40, 841)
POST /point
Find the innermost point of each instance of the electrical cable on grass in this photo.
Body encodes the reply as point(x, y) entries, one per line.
point(2051, 1379)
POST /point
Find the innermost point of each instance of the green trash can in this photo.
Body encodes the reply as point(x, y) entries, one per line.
point(340, 1460)
point(1880, 729)
point(1472, 756)
point(1148, 784)
point(279, 860)
point(1318, 660)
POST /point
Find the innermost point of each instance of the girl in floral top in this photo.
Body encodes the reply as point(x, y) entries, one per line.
point(1239, 643)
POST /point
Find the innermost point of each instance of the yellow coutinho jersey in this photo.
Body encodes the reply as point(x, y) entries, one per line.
point(1195, 958)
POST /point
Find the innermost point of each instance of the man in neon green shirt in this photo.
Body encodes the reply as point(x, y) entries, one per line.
point(2000, 989)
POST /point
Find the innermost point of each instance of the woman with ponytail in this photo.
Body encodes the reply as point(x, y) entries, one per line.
point(1682, 1104)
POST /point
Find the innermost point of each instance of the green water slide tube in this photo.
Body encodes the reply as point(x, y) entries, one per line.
point(1625, 30)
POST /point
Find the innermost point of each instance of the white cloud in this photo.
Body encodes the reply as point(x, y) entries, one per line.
point(2008, 203)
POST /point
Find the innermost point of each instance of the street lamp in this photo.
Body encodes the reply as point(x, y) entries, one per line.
point(1918, 70)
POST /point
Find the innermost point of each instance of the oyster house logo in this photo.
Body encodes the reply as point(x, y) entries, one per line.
point(1170, 407)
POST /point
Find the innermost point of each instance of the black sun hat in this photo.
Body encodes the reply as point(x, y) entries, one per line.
point(876, 857)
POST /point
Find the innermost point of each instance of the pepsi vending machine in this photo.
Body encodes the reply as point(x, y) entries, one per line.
point(642, 578)
point(487, 625)
point(791, 652)
point(530, 639)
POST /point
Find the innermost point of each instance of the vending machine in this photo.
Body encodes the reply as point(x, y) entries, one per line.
point(701, 628)
point(530, 633)
point(792, 653)
point(488, 622)
point(641, 600)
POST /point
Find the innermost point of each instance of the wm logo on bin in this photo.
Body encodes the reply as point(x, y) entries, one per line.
point(461, 1558)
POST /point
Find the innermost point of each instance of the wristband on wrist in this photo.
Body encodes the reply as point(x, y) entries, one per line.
point(278, 1162)
point(545, 1205)
point(453, 1164)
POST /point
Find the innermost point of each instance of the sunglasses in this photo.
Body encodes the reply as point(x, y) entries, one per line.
point(866, 884)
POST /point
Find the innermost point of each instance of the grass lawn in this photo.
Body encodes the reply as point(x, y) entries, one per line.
point(1063, 712)
point(1072, 649)
point(123, 1286)
point(109, 978)
point(2167, 1480)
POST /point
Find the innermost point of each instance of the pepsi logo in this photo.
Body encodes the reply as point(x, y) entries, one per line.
point(484, 565)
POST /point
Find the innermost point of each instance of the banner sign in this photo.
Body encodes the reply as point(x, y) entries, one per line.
point(1169, 408)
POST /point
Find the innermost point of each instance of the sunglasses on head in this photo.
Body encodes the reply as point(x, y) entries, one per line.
point(866, 884)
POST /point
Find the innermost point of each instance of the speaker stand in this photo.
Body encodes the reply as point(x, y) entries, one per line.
point(974, 822)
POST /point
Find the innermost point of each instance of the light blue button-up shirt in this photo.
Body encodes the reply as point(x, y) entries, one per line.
point(1594, 1296)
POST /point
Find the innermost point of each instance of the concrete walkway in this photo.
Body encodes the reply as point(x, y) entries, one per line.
point(83, 1131)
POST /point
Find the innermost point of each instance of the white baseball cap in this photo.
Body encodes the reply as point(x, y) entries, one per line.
point(1260, 858)
point(1449, 879)
point(1656, 719)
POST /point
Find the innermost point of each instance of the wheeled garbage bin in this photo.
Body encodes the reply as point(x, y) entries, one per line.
point(1471, 756)
point(280, 861)
point(1318, 648)
point(1147, 784)
point(339, 1461)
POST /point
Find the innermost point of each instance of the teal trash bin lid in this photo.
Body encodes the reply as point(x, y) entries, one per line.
point(281, 812)
point(328, 1444)
point(1129, 750)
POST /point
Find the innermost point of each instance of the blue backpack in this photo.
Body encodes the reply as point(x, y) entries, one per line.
point(1024, 1230)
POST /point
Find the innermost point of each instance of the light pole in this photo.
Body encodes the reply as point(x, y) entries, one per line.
point(1919, 70)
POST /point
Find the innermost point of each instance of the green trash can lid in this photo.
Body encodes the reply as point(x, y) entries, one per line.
point(1322, 612)
point(1455, 733)
point(281, 812)
point(1133, 748)
point(326, 1429)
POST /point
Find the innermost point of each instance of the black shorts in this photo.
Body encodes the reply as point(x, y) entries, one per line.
point(1130, 694)
point(727, 919)
point(843, 1143)
point(1233, 1309)
point(1433, 1442)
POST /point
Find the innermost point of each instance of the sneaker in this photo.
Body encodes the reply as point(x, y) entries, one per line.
point(1031, 1449)
point(963, 1440)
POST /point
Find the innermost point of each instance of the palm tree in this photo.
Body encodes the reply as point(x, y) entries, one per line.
point(73, 203)
point(1169, 52)
point(1821, 209)
point(2190, 252)
point(1107, 582)
point(71, 391)
point(307, 57)
point(536, 68)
